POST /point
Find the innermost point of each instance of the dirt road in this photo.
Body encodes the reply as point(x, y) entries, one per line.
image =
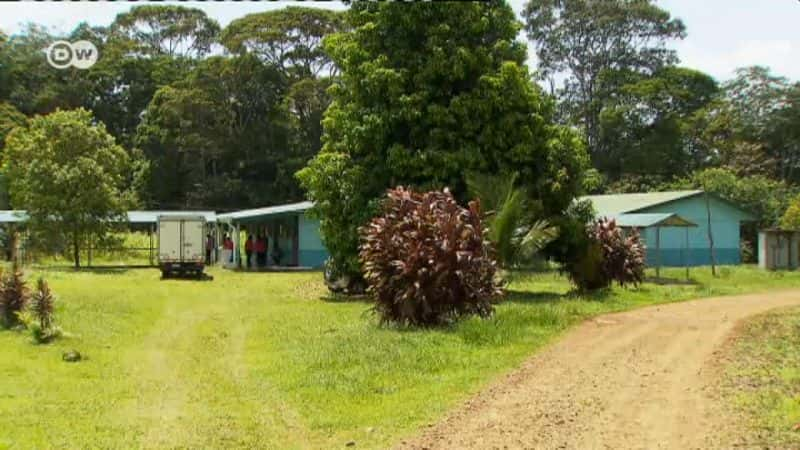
point(641, 379)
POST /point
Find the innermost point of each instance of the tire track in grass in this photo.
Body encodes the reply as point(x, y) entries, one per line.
point(195, 385)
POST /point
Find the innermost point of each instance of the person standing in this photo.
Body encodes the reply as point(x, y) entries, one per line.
point(249, 246)
point(209, 248)
point(227, 249)
point(261, 250)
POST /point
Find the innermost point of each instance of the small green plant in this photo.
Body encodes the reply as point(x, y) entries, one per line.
point(426, 260)
point(14, 296)
point(39, 318)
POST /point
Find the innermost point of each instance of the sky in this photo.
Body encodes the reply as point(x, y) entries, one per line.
point(722, 34)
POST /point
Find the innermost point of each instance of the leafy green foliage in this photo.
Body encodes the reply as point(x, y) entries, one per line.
point(14, 297)
point(510, 219)
point(585, 38)
point(166, 30)
point(288, 38)
point(427, 92)
point(791, 218)
point(645, 123)
point(70, 176)
point(426, 261)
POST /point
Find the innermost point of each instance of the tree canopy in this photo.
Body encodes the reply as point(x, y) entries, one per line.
point(70, 176)
point(426, 92)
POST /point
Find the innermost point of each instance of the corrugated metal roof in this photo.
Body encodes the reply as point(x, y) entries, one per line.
point(133, 216)
point(616, 204)
point(651, 220)
point(152, 216)
point(7, 216)
point(266, 212)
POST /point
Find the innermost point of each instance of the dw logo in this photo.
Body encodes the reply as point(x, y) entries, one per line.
point(80, 54)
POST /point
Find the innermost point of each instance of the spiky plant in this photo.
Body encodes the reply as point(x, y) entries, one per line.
point(14, 296)
point(512, 228)
point(43, 305)
point(426, 260)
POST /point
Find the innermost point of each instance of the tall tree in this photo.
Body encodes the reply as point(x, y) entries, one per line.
point(171, 30)
point(585, 38)
point(646, 122)
point(71, 177)
point(428, 91)
point(765, 112)
point(289, 38)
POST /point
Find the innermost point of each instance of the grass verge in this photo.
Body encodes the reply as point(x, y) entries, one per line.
point(272, 361)
point(762, 381)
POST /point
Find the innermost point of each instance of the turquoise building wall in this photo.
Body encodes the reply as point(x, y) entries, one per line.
point(312, 253)
point(725, 226)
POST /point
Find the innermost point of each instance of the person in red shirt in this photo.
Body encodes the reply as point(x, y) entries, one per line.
point(227, 245)
point(261, 250)
point(249, 246)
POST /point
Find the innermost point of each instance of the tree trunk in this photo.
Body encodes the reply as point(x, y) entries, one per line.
point(711, 238)
point(76, 251)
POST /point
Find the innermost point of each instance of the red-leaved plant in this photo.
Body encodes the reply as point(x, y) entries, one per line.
point(623, 254)
point(426, 261)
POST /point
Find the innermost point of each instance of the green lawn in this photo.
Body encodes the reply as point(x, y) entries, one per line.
point(763, 380)
point(270, 360)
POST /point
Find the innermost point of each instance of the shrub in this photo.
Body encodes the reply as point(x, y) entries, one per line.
point(43, 305)
point(13, 297)
point(608, 255)
point(426, 260)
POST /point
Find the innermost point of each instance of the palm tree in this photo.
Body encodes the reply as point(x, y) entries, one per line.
point(517, 235)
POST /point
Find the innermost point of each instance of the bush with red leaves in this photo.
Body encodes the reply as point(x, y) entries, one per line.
point(610, 255)
point(426, 261)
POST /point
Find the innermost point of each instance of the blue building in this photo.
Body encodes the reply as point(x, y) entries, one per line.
point(674, 225)
point(289, 227)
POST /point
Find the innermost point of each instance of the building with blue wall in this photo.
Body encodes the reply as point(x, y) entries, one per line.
point(289, 227)
point(680, 245)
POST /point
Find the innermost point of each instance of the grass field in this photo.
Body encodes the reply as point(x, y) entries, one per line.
point(763, 380)
point(271, 361)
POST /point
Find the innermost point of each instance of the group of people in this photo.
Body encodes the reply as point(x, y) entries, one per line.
point(257, 246)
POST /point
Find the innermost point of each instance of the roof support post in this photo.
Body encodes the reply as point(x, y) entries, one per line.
point(658, 253)
point(686, 257)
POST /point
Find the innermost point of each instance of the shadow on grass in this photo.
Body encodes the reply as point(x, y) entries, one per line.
point(95, 270)
point(331, 297)
point(662, 281)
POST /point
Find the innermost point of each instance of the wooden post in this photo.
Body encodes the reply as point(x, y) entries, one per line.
point(658, 253)
point(296, 241)
point(150, 232)
point(89, 255)
point(688, 249)
point(711, 238)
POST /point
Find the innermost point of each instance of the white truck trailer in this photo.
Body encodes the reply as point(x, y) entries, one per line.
point(181, 245)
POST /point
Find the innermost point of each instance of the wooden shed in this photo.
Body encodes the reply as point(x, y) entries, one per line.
point(779, 249)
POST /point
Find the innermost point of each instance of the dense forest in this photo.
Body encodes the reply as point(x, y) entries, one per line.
point(224, 118)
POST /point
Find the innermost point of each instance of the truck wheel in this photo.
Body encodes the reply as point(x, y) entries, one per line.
point(165, 274)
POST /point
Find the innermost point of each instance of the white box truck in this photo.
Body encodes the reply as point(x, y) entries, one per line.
point(181, 245)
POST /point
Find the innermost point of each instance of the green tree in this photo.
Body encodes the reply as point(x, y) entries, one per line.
point(171, 30)
point(427, 92)
point(70, 176)
point(585, 38)
point(764, 114)
point(289, 38)
point(646, 122)
point(791, 218)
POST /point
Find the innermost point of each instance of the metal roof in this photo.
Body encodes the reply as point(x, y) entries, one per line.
point(8, 216)
point(152, 216)
point(616, 204)
point(651, 220)
point(133, 216)
point(253, 214)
